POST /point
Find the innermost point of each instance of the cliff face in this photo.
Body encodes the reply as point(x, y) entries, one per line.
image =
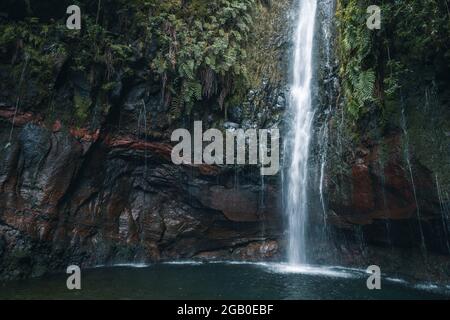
point(86, 116)
point(383, 129)
point(105, 198)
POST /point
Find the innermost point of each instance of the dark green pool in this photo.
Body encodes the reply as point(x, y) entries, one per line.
point(219, 281)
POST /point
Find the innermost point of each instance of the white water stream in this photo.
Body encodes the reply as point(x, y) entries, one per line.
point(301, 125)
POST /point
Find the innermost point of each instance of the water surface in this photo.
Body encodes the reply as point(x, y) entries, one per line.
point(218, 281)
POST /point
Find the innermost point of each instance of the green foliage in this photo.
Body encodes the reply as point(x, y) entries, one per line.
point(82, 105)
point(31, 38)
point(376, 64)
point(357, 57)
point(197, 48)
point(201, 47)
point(40, 50)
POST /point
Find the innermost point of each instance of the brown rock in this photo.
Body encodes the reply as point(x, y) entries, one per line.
point(363, 196)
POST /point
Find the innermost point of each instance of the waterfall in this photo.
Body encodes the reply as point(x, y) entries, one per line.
point(301, 124)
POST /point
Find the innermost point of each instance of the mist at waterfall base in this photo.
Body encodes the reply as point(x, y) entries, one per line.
point(219, 281)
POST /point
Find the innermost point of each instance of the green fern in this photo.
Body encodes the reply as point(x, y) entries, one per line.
point(213, 39)
point(365, 86)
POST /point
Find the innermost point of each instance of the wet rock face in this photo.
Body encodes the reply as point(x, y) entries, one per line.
point(383, 176)
point(384, 203)
point(243, 206)
point(86, 176)
point(73, 196)
point(379, 189)
point(267, 250)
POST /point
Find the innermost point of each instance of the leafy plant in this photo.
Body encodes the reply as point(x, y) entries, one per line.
point(375, 64)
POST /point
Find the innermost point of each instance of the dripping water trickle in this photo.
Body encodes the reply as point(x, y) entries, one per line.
point(411, 175)
point(142, 126)
point(16, 109)
point(444, 213)
point(327, 9)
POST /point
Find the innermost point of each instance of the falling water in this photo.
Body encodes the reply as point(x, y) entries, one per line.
point(408, 162)
point(327, 8)
point(444, 213)
point(303, 114)
point(22, 75)
point(142, 126)
point(323, 164)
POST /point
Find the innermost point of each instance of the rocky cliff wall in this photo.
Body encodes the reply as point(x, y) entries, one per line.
point(382, 150)
point(85, 123)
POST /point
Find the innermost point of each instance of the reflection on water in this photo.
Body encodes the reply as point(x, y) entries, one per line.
point(219, 281)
